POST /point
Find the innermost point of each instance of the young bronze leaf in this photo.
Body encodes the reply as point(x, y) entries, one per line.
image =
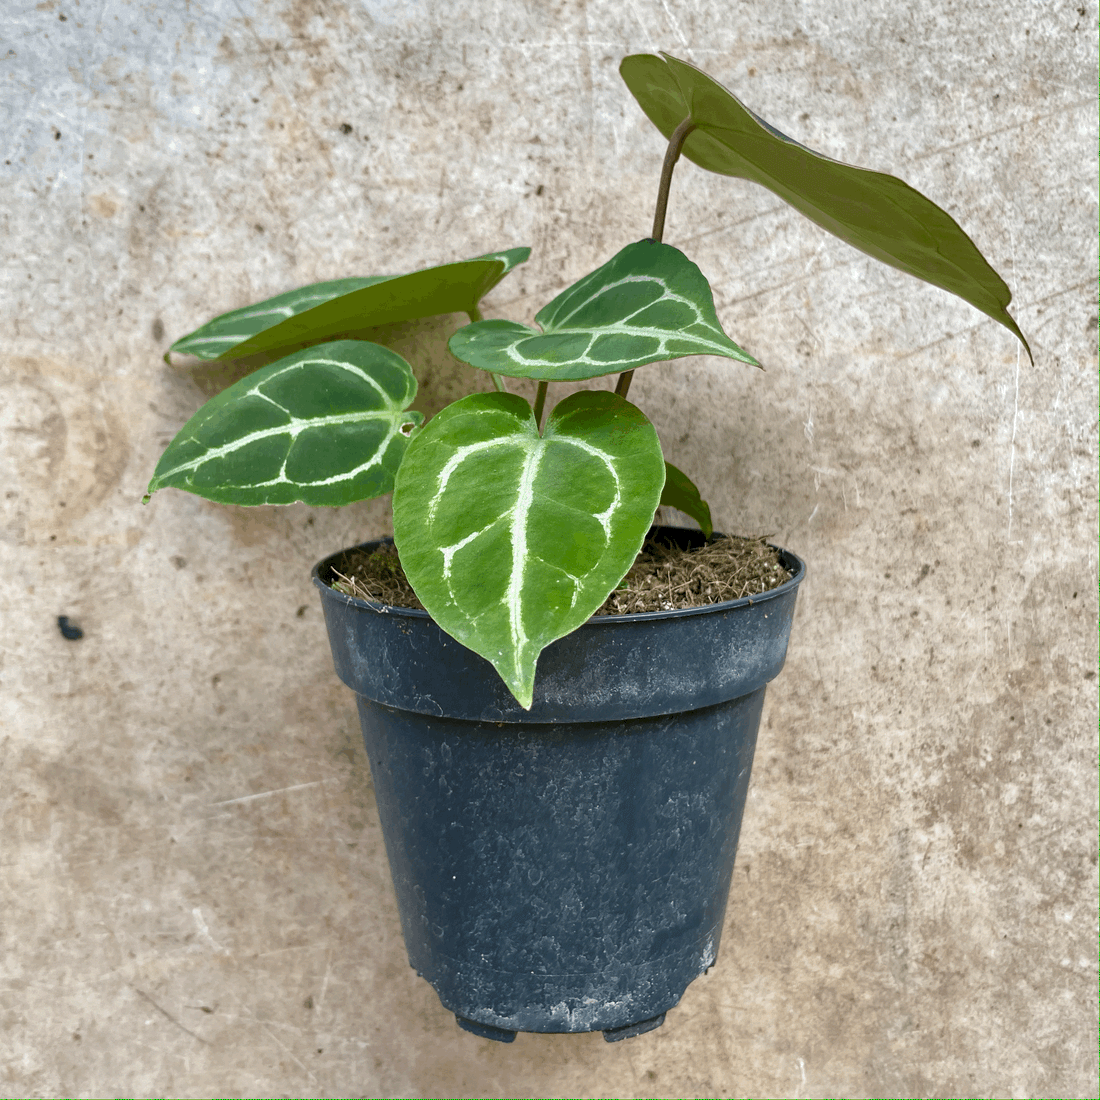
point(512, 539)
point(325, 426)
point(647, 303)
point(680, 492)
point(323, 311)
point(874, 212)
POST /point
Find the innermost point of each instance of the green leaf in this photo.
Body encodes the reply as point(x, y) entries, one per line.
point(680, 492)
point(322, 311)
point(512, 539)
point(647, 303)
point(325, 426)
point(874, 212)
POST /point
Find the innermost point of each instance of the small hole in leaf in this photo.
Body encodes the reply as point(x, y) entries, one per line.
point(407, 429)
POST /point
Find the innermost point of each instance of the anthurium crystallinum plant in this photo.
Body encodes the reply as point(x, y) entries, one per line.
point(513, 526)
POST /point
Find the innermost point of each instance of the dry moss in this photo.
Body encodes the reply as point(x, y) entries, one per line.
point(663, 578)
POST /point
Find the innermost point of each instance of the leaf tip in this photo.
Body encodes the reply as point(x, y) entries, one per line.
point(524, 694)
point(1027, 346)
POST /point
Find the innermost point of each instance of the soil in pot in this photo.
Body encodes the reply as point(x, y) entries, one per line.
point(665, 576)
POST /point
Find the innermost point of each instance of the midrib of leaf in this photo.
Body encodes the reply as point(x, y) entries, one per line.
point(810, 208)
point(297, 425)
point(294, 428)
point(516, 518)
point(524, 499)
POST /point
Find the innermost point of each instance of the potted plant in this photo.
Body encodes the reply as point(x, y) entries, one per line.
point(560, 792)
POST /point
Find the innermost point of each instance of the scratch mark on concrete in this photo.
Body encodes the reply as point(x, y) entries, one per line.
point(642, 24)
point(324, 983)
point(168, 1015)
point(733, 225)
point(1004, 129)
point(674, 23)
point(204, 932)
point(263, 1027)
point(1055, 294)
point(267, 794)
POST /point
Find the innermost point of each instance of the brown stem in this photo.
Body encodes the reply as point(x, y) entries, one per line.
point(672, 155)
point(540, 403)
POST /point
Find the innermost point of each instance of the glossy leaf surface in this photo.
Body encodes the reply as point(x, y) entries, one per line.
point(325, 426)
point(322, 311)
point(874, 212)
point(680, 492)
point(647, 303)
point(512, 539)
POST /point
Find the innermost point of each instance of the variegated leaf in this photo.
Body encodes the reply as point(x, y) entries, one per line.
point(512, 539)
point(325, 426)
point(323, 311)
point(647, 303)
point(874, 212)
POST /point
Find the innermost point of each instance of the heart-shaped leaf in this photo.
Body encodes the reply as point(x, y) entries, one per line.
point(647, 303)
point(876, 213)
point(323, 311)
point(680, 492)
point(512, 539)
point(325, 426)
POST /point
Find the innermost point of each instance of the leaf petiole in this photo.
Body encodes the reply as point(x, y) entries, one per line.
point(672, 155)
point(540, 403)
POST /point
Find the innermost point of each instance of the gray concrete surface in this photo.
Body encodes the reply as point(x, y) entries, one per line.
point(195, 897)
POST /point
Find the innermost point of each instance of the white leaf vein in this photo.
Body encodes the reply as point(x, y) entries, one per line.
point(392, 412)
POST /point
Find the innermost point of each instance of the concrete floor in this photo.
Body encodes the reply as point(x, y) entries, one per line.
point(195, 896)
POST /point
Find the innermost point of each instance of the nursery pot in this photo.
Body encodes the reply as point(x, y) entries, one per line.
point(564, 868)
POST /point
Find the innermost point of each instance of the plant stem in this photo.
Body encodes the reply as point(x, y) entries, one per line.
point(475, 315)
point(672, 155)
point(540, 403)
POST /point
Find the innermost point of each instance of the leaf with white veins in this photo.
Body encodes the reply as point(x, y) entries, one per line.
point(511, 539)
point(323, 311)
point(326, 426)
point(648, 303)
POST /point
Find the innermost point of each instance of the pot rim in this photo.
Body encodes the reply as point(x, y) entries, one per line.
point(791, 561)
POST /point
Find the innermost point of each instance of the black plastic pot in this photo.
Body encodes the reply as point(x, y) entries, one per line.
point(564, 868)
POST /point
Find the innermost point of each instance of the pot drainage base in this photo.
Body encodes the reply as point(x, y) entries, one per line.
point(611, 1035)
